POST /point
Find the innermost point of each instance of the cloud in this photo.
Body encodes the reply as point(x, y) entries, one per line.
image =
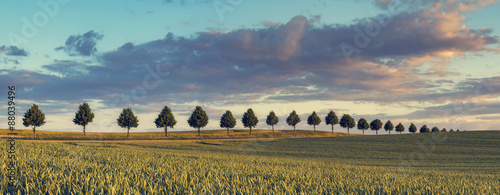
point(81, 45)
point(267, 23)
point(13, 51)
point(454, 110)
point(295, 61)
point(67, 68)
point(414, 5)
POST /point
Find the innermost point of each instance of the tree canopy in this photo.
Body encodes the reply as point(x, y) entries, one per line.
point(198, 119)
point(400, 128)
point(435, 129)
point(363, 125)
point(314, 120)
point(347, 122)
point(165, 119)
point(34, 117)
point(375, 125)
point(412, 128)
point(331, 119)
point(424, 129)
point(127, 120)
point(83, 116)
point(293, 119)
point(389, 126)
point(249, 119)
point(272, 119)
point(227, 120)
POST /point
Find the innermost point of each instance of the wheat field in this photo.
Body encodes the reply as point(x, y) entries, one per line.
point(331, 165)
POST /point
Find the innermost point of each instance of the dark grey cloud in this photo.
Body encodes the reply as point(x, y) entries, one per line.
point(487, 118)
point(295, 61)
point(13, 51)
point(447, 111)
point(67, 68)
point(81, 45)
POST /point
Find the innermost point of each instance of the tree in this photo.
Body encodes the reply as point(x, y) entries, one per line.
point(347, 122)
point(84, 116)
point(293, 119)
point(272, 119)
point(435, 129)
point(165, 119)
point(331, 119)
point(388, 126)
point(198, 119)
point(400, 128)
point(227, 121)
point(313, 120)
point(363, 125)
point(249, 119)
point(127, 120)
point(424, 129)
point(451, 130)
point(376, 125)
point(412, 128)
point(34, 117)
point(444, 130)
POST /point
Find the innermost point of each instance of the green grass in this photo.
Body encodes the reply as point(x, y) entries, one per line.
point(463, 163)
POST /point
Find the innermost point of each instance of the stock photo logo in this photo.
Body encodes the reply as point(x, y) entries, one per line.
point(250, 97)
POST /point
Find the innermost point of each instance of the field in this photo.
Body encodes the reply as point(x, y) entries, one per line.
point(431, 163)
point(160, 135)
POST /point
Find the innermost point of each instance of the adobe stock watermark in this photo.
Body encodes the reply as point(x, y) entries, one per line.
point(39, 19)
point(427, 146)
point(223, 6)
point(363, 37)
point(484, 87)
point(139, 93)
point(11, 141)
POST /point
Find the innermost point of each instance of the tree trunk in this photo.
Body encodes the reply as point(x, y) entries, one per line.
point(347, 130)
point(332, 128)
point(294, 128)
point(198, 131)
point(400, 132)
point(314, 127)
point(389, 132)
point(128, 129)
point(166, 129)
point(227, 130)
point(250, 130)
point(83, 129)
point(273, 127)
point(363, 131)
point(34, 132)
point(376, 132)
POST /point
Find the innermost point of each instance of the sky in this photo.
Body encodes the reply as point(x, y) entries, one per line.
point(433, 62)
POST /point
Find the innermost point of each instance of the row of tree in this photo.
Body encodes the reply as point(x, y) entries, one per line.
point(35, 117)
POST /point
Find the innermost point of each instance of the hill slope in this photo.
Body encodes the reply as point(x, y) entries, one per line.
point(458, 163)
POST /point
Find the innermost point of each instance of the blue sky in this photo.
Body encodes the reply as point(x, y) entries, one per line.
point(423, 62)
